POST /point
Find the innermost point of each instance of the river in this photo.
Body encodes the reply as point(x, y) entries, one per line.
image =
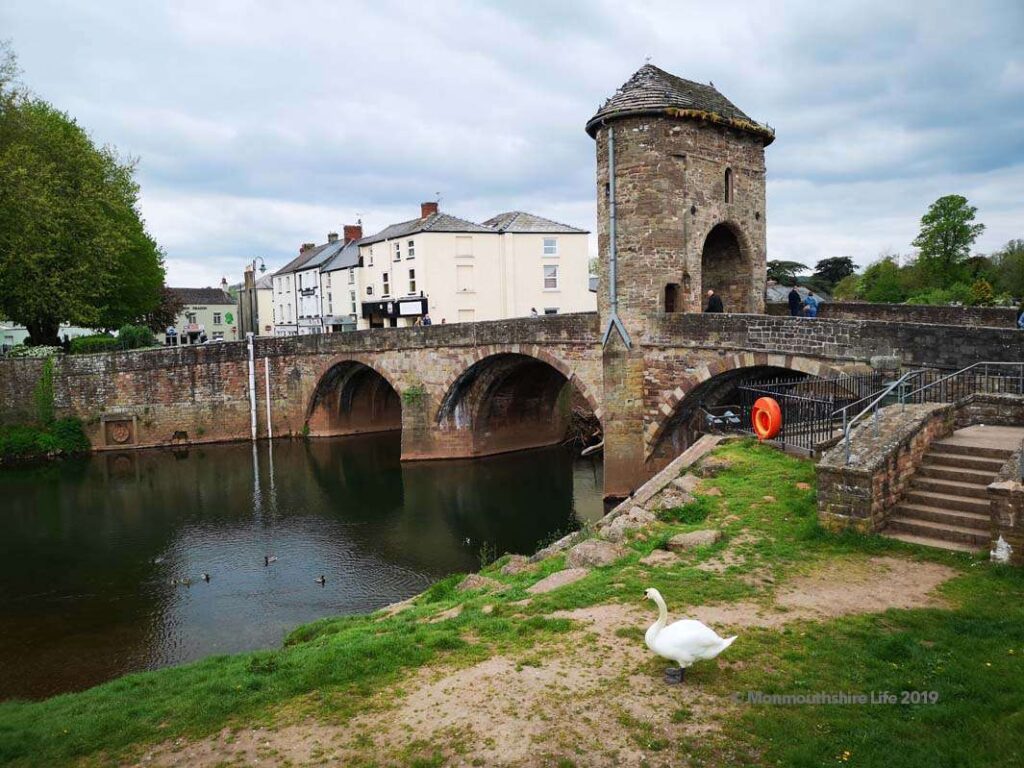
point(93, 551)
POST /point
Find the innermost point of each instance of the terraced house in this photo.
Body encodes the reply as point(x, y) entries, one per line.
point(440, 266)
point(457, 271)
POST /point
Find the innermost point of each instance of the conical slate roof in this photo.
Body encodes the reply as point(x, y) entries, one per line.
point(653, 91)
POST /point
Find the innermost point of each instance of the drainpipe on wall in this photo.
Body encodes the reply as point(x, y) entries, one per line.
point(613, 321)
point(252, 385)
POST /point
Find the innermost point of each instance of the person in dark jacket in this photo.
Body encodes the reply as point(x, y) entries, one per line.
point(796, 304)
point(714, 303)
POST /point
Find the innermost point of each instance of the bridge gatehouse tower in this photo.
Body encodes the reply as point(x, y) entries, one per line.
point(681, 183)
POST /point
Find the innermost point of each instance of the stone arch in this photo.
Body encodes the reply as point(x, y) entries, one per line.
point(511, 398)
point(674, 406)
point(353, 396)
point(727, 267)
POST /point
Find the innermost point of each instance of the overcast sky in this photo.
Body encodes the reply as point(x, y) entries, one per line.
point(260, 125)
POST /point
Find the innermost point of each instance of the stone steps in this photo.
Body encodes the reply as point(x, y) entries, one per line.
point(946, 504)
point(975, 504)
point(944, 515)
point(949, 487)
point(950, 445)
point(926, 541)
point(961, 461)
point(943, 472)
point(910, 523)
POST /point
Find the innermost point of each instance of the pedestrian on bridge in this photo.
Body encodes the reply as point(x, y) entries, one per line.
point(811, 305)
point(796, 304)
point(714, 303)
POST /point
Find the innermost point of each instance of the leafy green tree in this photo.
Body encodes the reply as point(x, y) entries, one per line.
point(982, 294)
point(847, 288)
point(785, 272)
point(947, 233)
point(881, 282)
point(1009, 268)
point(165, 313)
point(828, 272)
point(73, 246)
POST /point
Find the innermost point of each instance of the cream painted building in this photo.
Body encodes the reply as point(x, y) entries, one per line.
point(207, 312)
point(454, 270)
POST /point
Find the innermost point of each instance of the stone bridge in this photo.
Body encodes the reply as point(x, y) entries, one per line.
point(466, 390)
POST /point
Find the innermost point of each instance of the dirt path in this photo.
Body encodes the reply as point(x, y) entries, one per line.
point(591, 698)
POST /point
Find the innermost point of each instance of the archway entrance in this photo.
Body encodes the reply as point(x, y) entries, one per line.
point(352, 398)
point(714, 396)
point(510, 402)
point(726, 270)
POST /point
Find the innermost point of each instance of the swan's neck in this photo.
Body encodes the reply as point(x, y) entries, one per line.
point(662, 614)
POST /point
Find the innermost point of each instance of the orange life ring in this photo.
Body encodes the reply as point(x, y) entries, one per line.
point(766, 417)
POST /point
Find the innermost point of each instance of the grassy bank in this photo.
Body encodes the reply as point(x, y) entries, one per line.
point(970, 651)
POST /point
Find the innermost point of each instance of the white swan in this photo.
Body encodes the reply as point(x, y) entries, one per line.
point(684, 641)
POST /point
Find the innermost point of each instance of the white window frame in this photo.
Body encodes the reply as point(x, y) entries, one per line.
point(410, 249)
point(550, 273)
point(369, 290)
point(412, 282)
point(385, 284)
point(351, 277)
point(398, 250)
point(216, 318)
point(554, 247)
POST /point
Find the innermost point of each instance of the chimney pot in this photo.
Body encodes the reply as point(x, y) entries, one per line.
point(353, 232)
point(332, 237)
point(427, 209)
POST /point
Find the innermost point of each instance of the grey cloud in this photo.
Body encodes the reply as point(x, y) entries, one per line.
point(260, 125)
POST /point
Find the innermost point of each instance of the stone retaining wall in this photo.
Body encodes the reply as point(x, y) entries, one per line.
point(860, 494)
point(1006, 495)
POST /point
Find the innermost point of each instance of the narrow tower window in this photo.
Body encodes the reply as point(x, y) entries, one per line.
point(728, 185)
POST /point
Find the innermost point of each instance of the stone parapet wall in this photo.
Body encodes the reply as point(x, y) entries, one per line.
point(994, 317)
point(993, 409)
point(883, 458)
point(917, 344)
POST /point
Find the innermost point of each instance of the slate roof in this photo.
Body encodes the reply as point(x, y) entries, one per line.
point(654, 91)
point(435, 222)
point(300, 261)
point(190, 296)
point(520, 221)
point(348, 256)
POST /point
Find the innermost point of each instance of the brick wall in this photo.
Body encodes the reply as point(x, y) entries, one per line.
point(860, 494)
point(18, 379)
point(995, 317)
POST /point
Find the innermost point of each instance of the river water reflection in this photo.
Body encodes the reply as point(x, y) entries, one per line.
point(89, 550)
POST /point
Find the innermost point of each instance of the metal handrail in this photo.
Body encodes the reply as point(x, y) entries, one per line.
point(962, 371)
point(873, 406)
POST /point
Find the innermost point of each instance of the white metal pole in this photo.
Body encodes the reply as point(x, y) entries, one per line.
point(266, 381)
point(252, 385)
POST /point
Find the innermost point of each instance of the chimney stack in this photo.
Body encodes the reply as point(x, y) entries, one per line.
point(305, 247)
point(332, 237)
point(353, 232)
point(427, 209)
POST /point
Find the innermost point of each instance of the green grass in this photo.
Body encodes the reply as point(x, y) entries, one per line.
point(971, 654)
